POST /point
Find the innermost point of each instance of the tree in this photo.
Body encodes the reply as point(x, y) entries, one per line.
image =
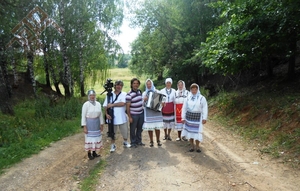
point(253, 35)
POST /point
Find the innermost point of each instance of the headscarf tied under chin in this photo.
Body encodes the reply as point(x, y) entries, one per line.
point(197, 95)
point(152, 86)
point(91, 92)
point(181, 92)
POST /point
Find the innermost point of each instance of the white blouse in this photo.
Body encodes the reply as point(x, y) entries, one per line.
point(199, 105)
point(91, 111)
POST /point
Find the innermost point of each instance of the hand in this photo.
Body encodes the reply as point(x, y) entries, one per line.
point(130, 120)
point(85, 130)
point(163, 104)
point(145, 98)
point(183, 121)
point(101, 128)
point(108, 117)
point(203, 121)
point(110, 105)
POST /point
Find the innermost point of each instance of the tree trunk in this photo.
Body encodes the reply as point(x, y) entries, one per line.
point(66, 78)
point(31, 71)
point(160, 76)
point(15, 73)
point(81, 64)
point(5, 105)
point(46, 66)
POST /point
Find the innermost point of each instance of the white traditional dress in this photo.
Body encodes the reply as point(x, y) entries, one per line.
point(152, 119)
point(92, 118)
point(194, 110)
point(180, 96)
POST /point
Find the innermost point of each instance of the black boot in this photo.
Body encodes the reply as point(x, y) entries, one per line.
point(95, 154)
point(91, 157)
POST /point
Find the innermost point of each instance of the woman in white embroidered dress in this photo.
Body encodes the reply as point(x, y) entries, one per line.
point(168, 108)
point(180, 95)
point(153, 120)
point(194, 116)
point(92, 123)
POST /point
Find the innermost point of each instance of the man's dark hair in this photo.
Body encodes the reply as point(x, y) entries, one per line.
point(134, 79)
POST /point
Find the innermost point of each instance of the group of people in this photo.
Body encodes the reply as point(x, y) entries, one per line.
point(182, 110)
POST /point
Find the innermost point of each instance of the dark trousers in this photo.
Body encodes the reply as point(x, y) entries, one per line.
point(136, 128)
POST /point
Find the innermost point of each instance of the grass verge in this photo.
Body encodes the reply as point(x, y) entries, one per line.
point(268, 119)
point(89, 182)
point(35, 125)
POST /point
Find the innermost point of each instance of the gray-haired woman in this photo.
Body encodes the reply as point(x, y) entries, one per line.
point(92, 123)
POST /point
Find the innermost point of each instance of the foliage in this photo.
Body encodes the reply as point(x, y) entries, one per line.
point(89, 26)
point(253, 36)
point(268, 119)
point(62, 109)
point(28, 132)
point(171, 32)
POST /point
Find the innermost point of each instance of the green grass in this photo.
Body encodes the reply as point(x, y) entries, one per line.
point(90, 182)
point(262, 117)
point(30, 131)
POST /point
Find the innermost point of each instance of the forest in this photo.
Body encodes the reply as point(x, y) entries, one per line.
point(56, 42)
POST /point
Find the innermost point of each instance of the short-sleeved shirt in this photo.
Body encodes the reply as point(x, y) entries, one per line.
point(119, 112)
point(136, 102)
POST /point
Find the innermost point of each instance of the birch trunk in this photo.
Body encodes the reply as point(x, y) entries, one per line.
point(66, 78)
point(15, 73)
point(31, 71)
point(81, 62)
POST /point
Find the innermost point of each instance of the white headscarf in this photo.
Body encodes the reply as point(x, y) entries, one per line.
point(152, 86)
point(197, 95)
point(169, 80)
point(181, 92)
point(91, 92)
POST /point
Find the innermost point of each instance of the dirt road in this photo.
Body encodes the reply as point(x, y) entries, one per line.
point(225, 163)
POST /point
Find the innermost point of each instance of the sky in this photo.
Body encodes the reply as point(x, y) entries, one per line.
point(127, 36)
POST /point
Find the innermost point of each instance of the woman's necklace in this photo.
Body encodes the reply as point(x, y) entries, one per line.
point(168, 91)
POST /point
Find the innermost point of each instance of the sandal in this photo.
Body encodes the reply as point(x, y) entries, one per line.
point(158, 143)
point(198, 151)
point(151, 143)
point(191, 150)
point(166, 137)
point(169, 138)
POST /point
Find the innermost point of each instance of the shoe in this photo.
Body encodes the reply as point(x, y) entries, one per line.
point(141, 144)
point(91, 157)
point(169, 138)
point(183, 138)
point(113, 148)
point(198, 151)
point(178, 139)
point(191, 150)
point(151, 144)
point(133, 146)
point(166, 137)
point(158, 143)
point(126, 144)
point(95, 154)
